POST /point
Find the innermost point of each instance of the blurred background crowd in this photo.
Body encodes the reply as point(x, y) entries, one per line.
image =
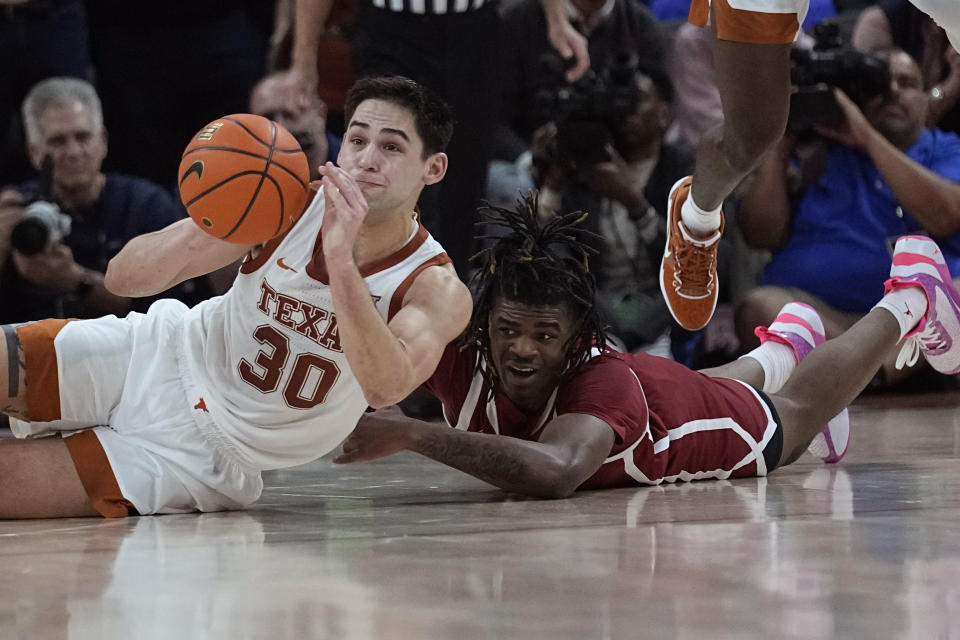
point(99, 98)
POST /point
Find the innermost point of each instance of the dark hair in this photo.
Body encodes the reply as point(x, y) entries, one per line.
point(661, 80)
point(540, 264)
point(432, 116)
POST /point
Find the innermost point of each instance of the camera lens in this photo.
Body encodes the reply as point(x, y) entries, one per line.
point(30, 236)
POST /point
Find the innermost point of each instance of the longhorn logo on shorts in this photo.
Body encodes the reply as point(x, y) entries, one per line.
point(196, 167)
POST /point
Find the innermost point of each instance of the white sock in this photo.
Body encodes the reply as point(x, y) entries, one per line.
point(907, 304)
point(777, 361)
point(697, 220)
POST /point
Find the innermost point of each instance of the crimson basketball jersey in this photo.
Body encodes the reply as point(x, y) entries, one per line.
point(671, 423)
point(265, 360)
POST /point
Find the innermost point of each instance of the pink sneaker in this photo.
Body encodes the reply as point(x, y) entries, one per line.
point(799, 327)
point(918, 262)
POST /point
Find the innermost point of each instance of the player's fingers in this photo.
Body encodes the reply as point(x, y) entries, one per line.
point(331, 192)
point(350, 190)
point(578, 44)
point(347, 189)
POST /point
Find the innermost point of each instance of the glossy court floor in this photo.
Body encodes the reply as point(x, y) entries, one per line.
point(405, 548)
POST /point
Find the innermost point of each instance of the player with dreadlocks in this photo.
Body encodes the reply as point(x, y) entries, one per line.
point(539, 265)
point(542, 407)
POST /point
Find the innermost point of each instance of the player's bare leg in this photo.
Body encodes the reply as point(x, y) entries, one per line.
point(831, 377)
point(762, 303)
point(754, 85)
point(39, 480)
point(920, 311)
point(37, 477)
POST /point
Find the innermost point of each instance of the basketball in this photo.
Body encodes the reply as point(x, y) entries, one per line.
point(243, 179)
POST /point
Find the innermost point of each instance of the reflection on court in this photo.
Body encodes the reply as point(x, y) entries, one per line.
point(406, 548)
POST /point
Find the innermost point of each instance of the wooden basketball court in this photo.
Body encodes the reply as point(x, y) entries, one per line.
point(408, 549)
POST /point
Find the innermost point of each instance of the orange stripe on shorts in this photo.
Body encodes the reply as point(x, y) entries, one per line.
point(739, 25)
point(97, 475)
point(43, 380)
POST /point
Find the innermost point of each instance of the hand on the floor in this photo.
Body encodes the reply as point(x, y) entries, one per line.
point(377, 435)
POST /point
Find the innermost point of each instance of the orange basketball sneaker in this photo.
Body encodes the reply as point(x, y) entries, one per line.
point(688, 272)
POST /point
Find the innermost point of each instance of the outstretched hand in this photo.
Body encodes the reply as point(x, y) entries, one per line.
point(345, 210)
point(377, 435)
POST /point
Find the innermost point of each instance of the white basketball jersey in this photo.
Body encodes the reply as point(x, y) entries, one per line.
point(265, 358)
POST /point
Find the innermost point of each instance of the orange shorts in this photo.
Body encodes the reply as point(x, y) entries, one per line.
point(752, 21)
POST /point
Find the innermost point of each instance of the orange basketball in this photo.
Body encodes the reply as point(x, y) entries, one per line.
point(244, 179)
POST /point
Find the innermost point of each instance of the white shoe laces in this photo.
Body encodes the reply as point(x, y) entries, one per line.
point(928, 339)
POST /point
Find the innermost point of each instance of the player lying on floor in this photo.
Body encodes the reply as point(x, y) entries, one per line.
point(536, 414)
point(180, 410)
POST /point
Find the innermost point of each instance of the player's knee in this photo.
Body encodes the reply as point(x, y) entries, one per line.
point(745, 146)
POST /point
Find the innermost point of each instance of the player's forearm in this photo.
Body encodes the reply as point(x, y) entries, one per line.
point(931, 199)
point(377, 358)
point(528, 468)
point(153, 262)
point(555, 12)
point(310, 17)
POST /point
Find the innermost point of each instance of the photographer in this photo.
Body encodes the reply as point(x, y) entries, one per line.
point(530, 65)
point(829, 221)
point(619, 169)
point(58, 233)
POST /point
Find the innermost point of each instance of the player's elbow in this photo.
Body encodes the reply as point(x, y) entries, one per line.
point(121, 281)
point(113, 279)
point(388, 385)
point(382, 398)
point(555, 482)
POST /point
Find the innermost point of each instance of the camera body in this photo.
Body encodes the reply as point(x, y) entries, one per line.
point(586, 111)
point(44, 223)
point(831, 64)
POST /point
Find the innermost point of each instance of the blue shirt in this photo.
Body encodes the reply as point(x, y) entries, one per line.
point(846, 224)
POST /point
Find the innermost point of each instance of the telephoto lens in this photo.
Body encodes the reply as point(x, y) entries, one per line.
point(44, 224)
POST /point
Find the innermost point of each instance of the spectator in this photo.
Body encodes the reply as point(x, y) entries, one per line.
point(38, 39)
point(614, 29)
point(64, 123)
point(332, 57)
point(624, 189)
point(899, 23)
point(452, 47)
point(304, 117)
point(887, 176)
